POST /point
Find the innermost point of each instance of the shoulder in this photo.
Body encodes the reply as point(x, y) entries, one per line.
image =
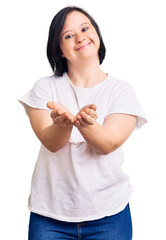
point(117, 83)
point(47, 79)
point(49, 82)
point(115, 86)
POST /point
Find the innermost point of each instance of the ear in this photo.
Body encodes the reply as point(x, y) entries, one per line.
point(62, 55)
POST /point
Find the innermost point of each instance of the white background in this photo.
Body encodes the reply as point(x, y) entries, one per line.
point(134, 33)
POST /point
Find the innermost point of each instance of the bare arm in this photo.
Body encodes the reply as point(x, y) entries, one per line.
point(108, 137)
point(54, 132)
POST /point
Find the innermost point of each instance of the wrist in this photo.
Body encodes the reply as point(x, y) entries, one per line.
point(87, 127)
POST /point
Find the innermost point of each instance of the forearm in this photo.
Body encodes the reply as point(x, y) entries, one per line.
point(100, 138)
point(55, 137)
point(52, 135)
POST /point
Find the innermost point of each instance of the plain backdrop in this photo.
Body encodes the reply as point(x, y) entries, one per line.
point(134, 33)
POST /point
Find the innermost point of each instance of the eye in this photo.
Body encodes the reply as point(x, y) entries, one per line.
point(85, 29)
point(68, 36)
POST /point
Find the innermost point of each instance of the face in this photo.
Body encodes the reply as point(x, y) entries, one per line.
point(79, 39)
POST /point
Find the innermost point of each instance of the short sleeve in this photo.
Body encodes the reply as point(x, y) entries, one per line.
point(124, 100)
point(38, 96)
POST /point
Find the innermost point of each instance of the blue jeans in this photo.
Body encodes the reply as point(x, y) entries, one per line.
point(116, 227)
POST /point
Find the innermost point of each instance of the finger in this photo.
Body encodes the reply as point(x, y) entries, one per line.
point(89, 111)
point(62, 119)
point(76, 123)
point(78, 116)
point(93, 106)
point(85, 118)
point(88, 119)
point(54, 114)
point(58, 120)
point(81, 121)
point(68, 116)
point(92, 113)
point(51, 105)
point(68, 122)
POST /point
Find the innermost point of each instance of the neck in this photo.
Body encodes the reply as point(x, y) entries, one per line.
point(86, 74)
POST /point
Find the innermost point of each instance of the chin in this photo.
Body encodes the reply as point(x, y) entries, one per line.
point(88, 58)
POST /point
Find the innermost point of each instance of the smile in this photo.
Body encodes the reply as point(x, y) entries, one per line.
point(83, 46)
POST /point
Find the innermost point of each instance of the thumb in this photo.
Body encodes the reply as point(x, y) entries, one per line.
point(93, 106)
point(51, 105)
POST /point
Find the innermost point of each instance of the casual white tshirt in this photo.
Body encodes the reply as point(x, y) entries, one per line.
point(76, 183)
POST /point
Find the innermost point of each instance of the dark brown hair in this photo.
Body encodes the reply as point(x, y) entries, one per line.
point(59, 64)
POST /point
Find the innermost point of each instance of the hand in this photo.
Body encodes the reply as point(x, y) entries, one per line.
point(61, 115)
point(86, 116)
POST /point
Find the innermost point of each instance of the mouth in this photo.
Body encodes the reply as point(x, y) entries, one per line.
point(83, 46)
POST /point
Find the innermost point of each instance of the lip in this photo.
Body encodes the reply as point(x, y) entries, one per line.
point(83, 46)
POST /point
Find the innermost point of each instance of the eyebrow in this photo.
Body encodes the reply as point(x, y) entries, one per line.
point(71, 30)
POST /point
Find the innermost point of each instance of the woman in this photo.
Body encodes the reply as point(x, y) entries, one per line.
point(78, 188)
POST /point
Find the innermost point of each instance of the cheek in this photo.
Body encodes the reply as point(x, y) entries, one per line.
point(65, 47)
point(96, 39)
point(98, 42)
point(62, 46)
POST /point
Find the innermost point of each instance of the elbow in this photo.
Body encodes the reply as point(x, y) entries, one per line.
point(107, 151)
point(104, 151)
point(50, 148)
point(54, 149)
point(112, 144)
point(109, 148)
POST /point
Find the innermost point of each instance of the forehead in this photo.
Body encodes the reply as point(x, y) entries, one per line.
point(74, 19)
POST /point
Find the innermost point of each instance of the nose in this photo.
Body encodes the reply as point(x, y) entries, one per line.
point(80, 38)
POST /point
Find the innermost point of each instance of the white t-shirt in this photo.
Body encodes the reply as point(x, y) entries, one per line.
point(77, 183)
